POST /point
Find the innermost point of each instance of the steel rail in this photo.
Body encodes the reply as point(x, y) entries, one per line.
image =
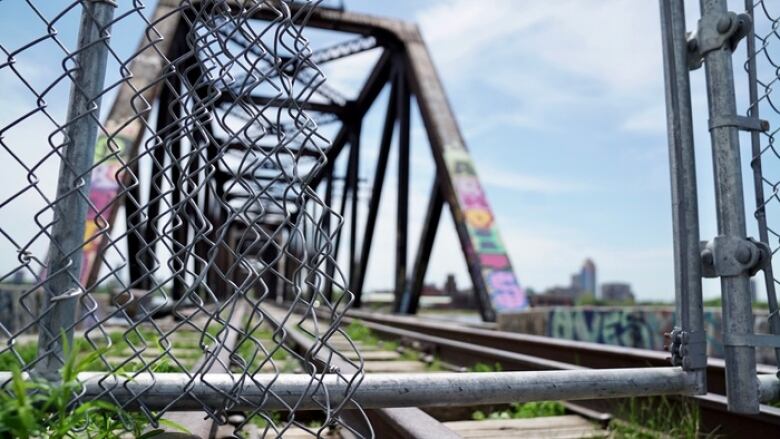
point(468, 345)
point(200, 423)
point(403, 422)
point(591, 355)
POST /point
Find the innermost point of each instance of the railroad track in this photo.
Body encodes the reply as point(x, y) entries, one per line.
point(414, 345)
point(465, 345)
point(391, 423)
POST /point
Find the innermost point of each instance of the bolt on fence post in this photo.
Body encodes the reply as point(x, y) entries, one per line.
point(741, 379)
point(685, 211)
point(62, 287)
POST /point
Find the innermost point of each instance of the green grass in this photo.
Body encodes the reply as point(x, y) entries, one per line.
point(435, 366)
point(656, 418)
point(482, 367)
point(121, 346)
point(31, 408)
point(358, 332)
point(27, 351)
point(388, 345)
point(250, 351)
point(261, 422)
point(526, 410)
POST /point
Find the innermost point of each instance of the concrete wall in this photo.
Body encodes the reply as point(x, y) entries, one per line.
point(640, 327)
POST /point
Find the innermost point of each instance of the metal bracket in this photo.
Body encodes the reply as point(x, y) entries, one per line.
point(732, 256)
point(716, 31)
point(688, 349)
point(755, 340)
point(742, 122)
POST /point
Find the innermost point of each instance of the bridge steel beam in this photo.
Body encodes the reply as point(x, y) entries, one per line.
point(492, 276)
point(376, 190)
point(411, 301)
point(402, 207)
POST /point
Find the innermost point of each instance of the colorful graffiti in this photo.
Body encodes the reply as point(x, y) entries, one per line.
point(487, 247)
point(638, 327)
point(104, 187)
point(622, 327)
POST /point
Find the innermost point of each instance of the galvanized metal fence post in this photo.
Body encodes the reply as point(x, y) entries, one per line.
point(715, 40)
point(62, 288)
point(689, 347)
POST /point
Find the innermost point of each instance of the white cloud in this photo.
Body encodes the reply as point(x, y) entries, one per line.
point(517, 181)
point(607, 41)
point(650, 120)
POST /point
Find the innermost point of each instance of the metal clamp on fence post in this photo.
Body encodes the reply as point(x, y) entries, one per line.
point(63, 288)
point(732, 256)
point(716, 31)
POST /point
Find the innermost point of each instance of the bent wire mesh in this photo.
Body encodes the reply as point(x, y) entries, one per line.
point(175, 228)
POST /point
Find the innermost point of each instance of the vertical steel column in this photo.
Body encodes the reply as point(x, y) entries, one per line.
point(353, 211)
point(741, 381)
point(62, 289)
point(327, 284)
point(178, 212)
point(157, 176)
point(402, 218)
point(133, 219)
point(758, 182)
point(411, 300)
point(331, 266)
point(376, 189)
point(685, 211)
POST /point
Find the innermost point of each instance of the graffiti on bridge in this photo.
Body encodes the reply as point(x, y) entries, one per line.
point(487, 246)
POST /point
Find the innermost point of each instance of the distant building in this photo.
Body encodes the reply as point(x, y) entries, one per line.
point(432, 290)
point(450, 287)
point(617, 292)
point(556, 296)
point(584, 282)
point(588, 277)
point(18, 278)
point(447, 297)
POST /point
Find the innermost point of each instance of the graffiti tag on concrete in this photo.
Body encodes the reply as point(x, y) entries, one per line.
point(637, 327)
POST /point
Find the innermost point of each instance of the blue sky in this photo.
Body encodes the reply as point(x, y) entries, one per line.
point(561, 104)
point(566, 125)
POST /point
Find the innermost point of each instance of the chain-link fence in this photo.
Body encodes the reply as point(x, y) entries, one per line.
point(182, 214)
point(762, 69)
point(170, 252)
